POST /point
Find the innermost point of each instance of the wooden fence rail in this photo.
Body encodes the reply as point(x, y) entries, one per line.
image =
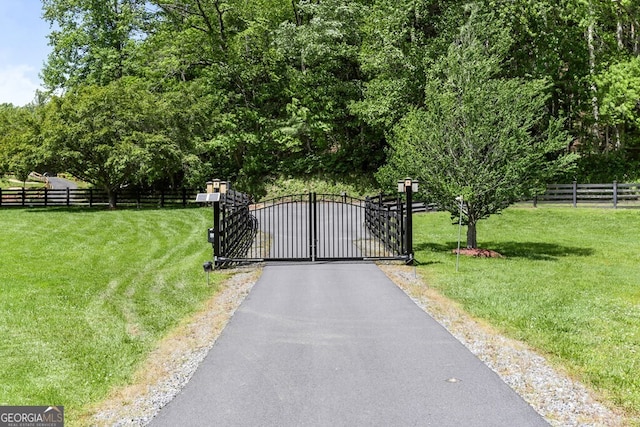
point(617, 195)
point(44, 197)
point(614, 194)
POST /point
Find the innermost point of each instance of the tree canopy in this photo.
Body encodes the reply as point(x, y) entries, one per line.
point(253, 90)
point(113, 136)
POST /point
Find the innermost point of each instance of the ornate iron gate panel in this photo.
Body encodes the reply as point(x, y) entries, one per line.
point(308, 227)
point(284, 229)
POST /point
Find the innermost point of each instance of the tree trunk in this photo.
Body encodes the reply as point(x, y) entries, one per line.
point(633, 37)
point(592, 71)
point(472, 241)
point(619, 33)
point(112, 198)
point(296, 13)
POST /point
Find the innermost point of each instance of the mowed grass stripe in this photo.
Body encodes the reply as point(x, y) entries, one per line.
point(86, 294)
point(569, 286)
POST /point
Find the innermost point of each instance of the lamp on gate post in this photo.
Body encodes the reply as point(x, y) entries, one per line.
point(409, 187)
point(215, 195)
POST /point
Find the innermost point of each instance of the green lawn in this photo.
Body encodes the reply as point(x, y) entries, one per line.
point(86, 295)
point(12, 182)
point(569, 286)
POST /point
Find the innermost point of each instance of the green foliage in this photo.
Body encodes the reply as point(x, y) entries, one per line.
point(256, 89)
point(320, 53)
point(20, 136)
point(400, 38)
point(356, 187)
point(619, 88)
point(479, 136)
point(605, 168)
point(113, 136)
point(93, 42)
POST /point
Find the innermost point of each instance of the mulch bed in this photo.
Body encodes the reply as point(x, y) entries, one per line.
point(478, 253)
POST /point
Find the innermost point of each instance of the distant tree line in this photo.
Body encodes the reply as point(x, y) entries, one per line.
point(170, 93)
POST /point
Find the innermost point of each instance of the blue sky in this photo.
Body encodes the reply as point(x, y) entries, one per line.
point(23, 49)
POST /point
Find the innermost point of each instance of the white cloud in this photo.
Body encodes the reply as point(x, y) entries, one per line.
point(17, 86)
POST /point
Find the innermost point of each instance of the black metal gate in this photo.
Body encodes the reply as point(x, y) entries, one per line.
point(309, 227)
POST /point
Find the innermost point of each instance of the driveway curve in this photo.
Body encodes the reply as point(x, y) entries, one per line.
point(340, 345)
point(60, 183)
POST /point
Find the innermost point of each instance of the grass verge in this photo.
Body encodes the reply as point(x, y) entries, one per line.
point(86, 295)
point(569, 285)
point(287, 186)
point(8, 181)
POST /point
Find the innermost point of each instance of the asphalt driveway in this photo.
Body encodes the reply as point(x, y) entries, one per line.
point(340, 345)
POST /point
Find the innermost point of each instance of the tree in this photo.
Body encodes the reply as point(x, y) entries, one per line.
point(323, 78)
point(222, 51)
point(113, 136)
point(400, 38)
point(20, 148)
point(619, 87)
point(94, 42)
point(479, 135)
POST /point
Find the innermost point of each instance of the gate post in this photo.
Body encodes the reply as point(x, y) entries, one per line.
point(401, 240)
point(216, 231)
point(409, 186)
point(313, 227)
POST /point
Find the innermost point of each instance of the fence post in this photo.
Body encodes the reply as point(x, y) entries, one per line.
point(68, 197)
point(91, 197)
point(24, 196)
point(0, 196)
point(314, 212)
point(184, 197)
point(46, 196)
point(162, 198)
point(615, 194)
point(575, 193)
point(312, 225)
